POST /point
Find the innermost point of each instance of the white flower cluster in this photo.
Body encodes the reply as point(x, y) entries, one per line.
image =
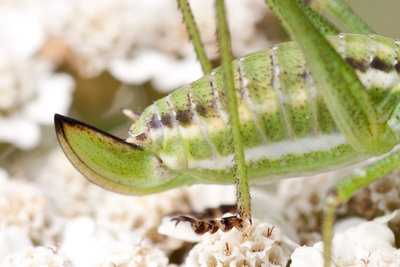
point(262, 245)
point(36, 256)
point(87, 242)
point(142, 254)
point(22, 207)
point(87, 225)
point(30, 89)
point(365, 244)
point(72, 195)
point(303, 199)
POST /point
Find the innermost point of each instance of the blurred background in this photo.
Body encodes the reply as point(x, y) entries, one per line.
point(89, 59)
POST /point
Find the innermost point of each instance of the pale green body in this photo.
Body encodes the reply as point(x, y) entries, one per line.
point(285, 125)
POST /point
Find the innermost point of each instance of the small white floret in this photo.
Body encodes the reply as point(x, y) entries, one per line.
point(87, 242)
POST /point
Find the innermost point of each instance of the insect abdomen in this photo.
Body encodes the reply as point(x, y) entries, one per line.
point(285, 124)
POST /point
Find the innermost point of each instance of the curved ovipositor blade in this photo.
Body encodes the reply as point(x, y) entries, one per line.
point(112, 163)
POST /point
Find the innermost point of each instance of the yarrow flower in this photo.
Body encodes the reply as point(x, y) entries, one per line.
point(30, 89)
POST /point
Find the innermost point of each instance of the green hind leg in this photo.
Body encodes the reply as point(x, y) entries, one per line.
point(347, 187)
point(341, 11)
point(242, 183)
point(194, 35)
point(343, 93)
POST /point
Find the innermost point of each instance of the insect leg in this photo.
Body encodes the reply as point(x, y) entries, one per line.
point(345, 97)
point(243, 193)
point(194, 36)
point(211, 226)
point(134, 116)
point(320, 22)
point(347, 187)
point(344, 94)
point(341, 11)
point(210, 213)
point(203, 222)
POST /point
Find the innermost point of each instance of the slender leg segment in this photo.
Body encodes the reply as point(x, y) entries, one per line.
point(203, 222)
point(342, 91)
point(321, 23)
point(243, 193)
point(345, 97)
point(211, 213)
point(341, 11)
point(195, 36)
point(347, 187)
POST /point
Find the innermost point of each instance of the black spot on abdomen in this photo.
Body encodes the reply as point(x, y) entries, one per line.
point(397, 67)
point(379, 64)
point(360, 65)
point(184, 116)
point(141, 137)
point(154, 122)
point(201, 110)
point(166, 120)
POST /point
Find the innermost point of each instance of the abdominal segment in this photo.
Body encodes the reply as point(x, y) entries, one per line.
point(284, 122)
